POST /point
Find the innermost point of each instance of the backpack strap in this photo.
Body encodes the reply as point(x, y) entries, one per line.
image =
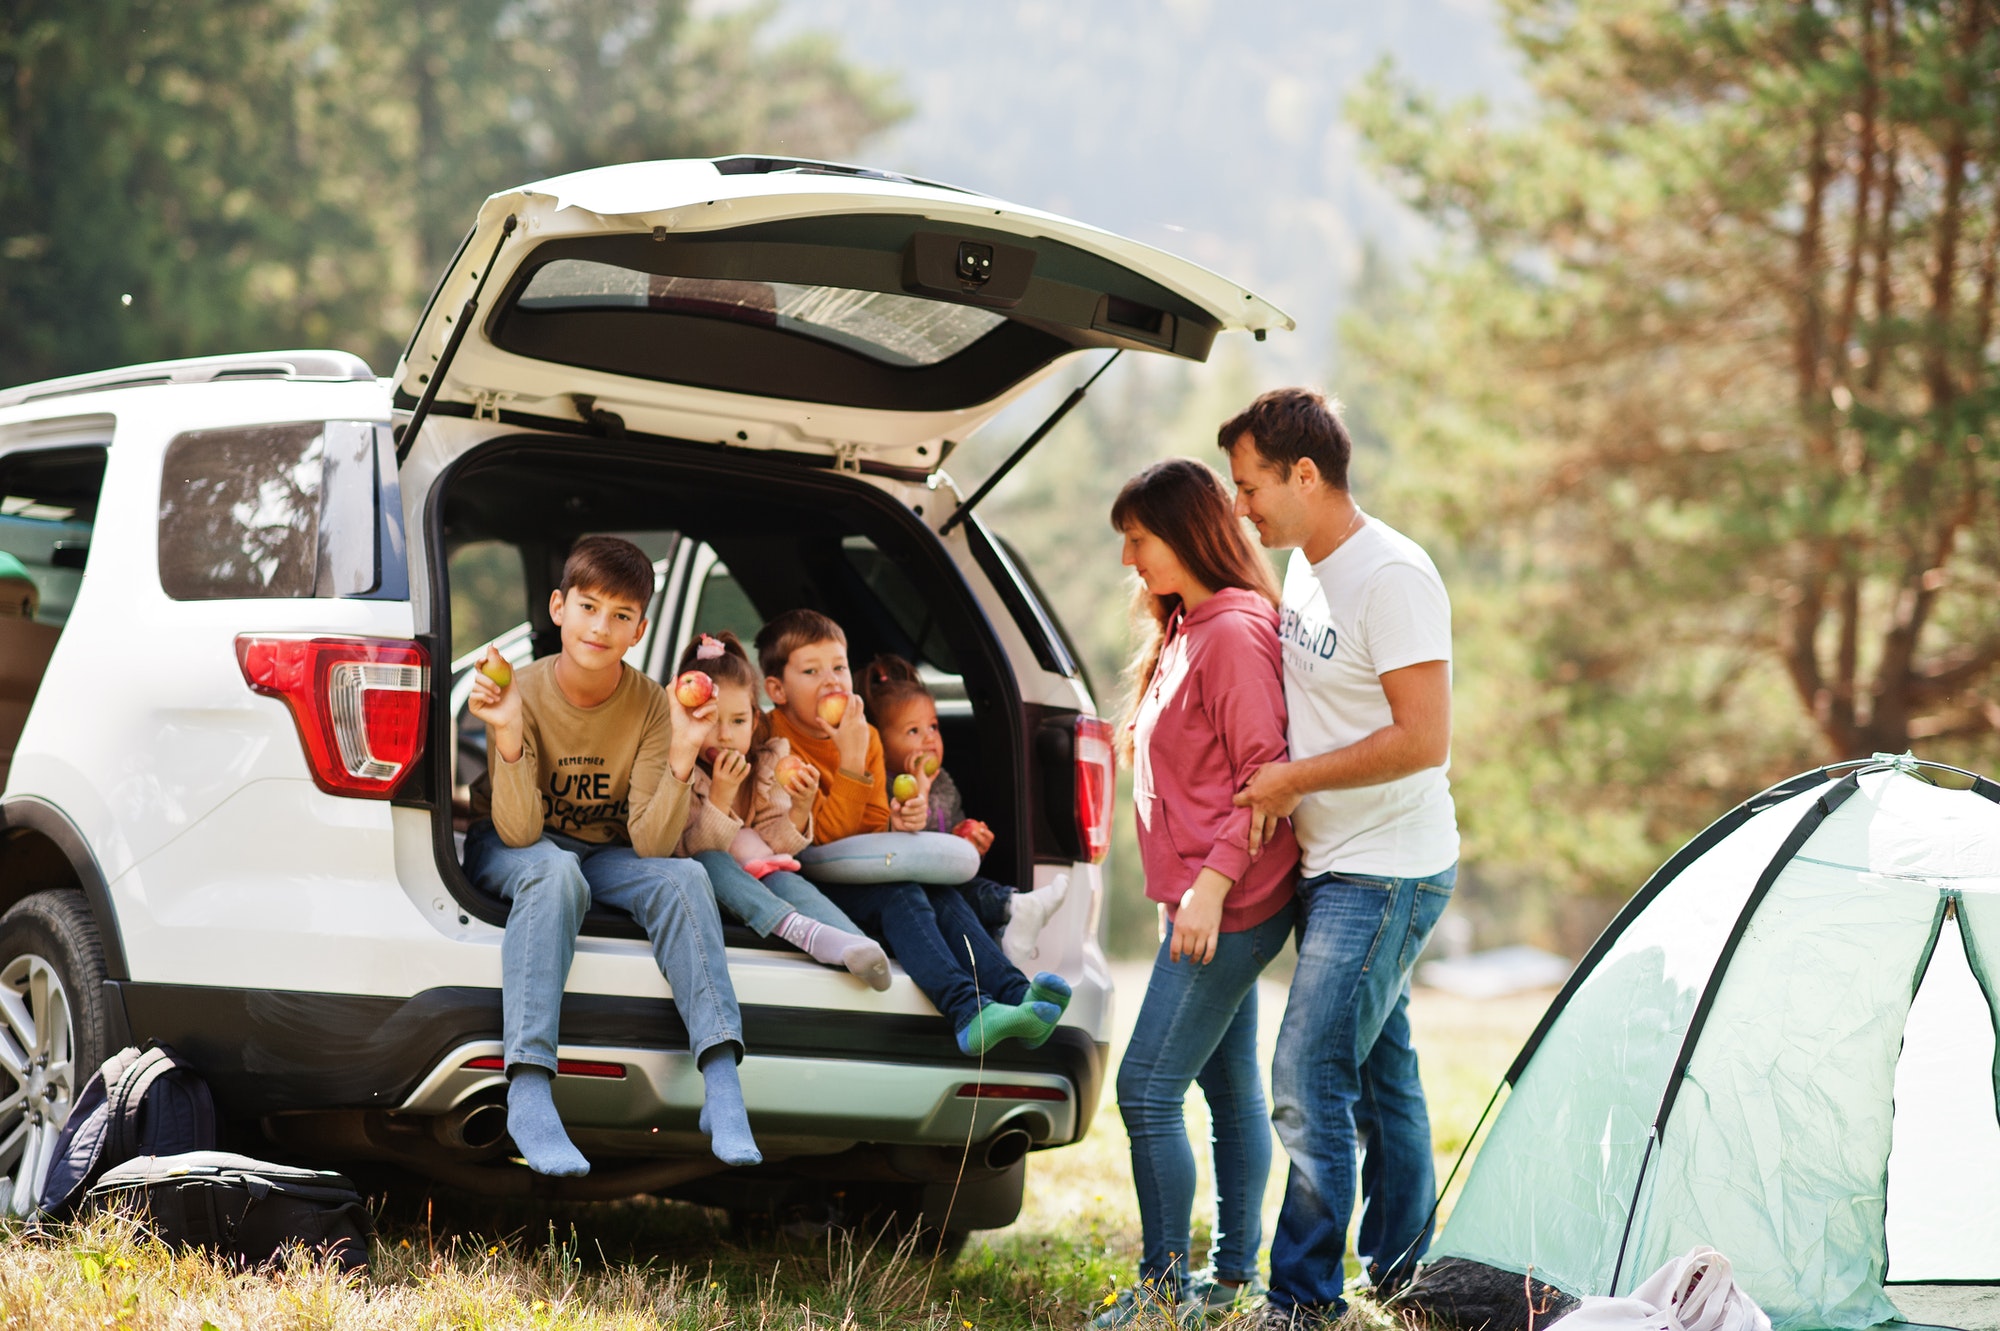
point(78, 1156)
point(127, 1094)
point(193, 1112)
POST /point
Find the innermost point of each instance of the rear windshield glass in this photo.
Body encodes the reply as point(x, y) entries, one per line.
point(894, 329)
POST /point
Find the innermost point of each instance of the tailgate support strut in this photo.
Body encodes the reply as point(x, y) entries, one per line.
point(1054, 419)
point(407, 437)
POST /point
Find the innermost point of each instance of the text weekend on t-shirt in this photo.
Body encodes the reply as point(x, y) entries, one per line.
point(1374, 605)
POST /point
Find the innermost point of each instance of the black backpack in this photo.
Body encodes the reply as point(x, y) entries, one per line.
point(141, 1102)
point(248, 1211)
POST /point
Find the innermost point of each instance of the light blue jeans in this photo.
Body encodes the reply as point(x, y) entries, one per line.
point(551, 884)
point(762, 902)
point(1199, 1024)
point(1344, 1077)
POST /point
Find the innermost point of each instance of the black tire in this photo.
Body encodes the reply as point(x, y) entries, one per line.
point(52, 1038)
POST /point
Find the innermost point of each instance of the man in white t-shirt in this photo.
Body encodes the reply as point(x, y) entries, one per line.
point(1366, 631)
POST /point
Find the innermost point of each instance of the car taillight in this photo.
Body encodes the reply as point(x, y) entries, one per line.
point(361, 704)
point(1096, 778)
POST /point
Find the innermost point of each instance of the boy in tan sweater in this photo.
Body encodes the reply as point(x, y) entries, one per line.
point(585, 796)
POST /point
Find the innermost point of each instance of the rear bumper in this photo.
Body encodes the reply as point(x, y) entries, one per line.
point(827, 1079)
point(631, 1101)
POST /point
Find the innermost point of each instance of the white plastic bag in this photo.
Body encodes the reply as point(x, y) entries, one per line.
point(1697, 1292)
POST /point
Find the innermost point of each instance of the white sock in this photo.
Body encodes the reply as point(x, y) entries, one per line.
point(1031, 910)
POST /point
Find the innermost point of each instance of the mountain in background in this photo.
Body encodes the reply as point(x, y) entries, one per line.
point(1212, 130)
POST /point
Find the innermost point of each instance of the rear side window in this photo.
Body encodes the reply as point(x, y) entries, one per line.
point(295, 510)
point(48, 505)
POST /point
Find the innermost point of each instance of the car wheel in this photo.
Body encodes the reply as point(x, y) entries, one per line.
point(54, 1029)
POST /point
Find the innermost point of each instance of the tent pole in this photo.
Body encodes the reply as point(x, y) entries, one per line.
point(1831, 799)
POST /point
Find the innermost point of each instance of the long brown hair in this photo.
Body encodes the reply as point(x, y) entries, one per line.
point(1184, 503)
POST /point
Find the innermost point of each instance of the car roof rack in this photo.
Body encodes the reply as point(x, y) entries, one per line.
point(317, 366)
point(749, 164)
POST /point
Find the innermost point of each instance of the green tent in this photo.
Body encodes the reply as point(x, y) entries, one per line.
point(1783, 1047)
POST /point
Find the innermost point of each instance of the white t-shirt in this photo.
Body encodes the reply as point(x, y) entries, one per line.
point(1374, 605)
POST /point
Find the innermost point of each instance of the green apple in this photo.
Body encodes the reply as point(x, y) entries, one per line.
point(904, 787)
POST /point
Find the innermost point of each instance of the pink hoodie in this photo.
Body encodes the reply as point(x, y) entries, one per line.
point(1214, 712)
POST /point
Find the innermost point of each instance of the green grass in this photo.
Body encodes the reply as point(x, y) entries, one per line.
point(658, 1264)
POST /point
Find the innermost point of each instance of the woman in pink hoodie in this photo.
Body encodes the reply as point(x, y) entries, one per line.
point(1208, 709)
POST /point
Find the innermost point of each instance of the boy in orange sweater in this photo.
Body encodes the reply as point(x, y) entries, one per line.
point(931, 930)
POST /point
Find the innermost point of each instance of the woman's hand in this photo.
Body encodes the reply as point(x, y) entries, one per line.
point(1198, 922)
point(727, 775)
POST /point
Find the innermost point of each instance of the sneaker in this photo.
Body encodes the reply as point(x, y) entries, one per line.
point(1271, 1317)
point(1208, 1298)
point(1136, 1304)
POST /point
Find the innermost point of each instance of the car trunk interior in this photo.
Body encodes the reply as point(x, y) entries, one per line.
point(737, 540)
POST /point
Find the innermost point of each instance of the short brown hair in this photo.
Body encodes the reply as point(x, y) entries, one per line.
point(794, 629)
point(1287, 424)
point(609, 566)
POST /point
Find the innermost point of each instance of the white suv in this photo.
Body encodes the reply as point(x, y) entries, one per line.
point(235, 769)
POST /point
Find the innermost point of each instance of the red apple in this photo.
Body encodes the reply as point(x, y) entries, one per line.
point(832, 707)
point(788, 766)
point(693, 689)
point(497, 670)
point(964, 828)
point(710, 754)
point(931, 764)
point(904, 787)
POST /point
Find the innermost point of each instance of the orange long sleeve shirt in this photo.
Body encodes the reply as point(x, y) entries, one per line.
point(844, 806)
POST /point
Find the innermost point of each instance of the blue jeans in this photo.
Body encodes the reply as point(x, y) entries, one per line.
point(1199, 1024)
point(551, 884)
point(940, 941)
point(762, 902)
point(992, 902)
point(1346, 1076)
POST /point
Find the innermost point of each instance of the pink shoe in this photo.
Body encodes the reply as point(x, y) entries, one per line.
point(764, 868)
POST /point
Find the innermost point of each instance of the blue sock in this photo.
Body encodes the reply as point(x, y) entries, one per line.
point(1049, 990)
point(1048, 987)
point(535, 1126)
point(723, 1116)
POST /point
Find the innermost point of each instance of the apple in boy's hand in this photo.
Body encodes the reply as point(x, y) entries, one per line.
point(832, 707)
point(495, 668)
point(978, 833)
point(904, 787)
point(693, 689)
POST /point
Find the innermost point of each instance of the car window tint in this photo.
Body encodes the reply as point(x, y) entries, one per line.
point(48, 505)
point(896, 329)
point(721, 604)
point(283, 510)
point(489, 592)
point(899, 596)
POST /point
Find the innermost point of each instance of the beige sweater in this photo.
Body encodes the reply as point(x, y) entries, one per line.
point(598, 774)
point(711, 827)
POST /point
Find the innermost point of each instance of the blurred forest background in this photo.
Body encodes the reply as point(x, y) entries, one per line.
point(1667, 325)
